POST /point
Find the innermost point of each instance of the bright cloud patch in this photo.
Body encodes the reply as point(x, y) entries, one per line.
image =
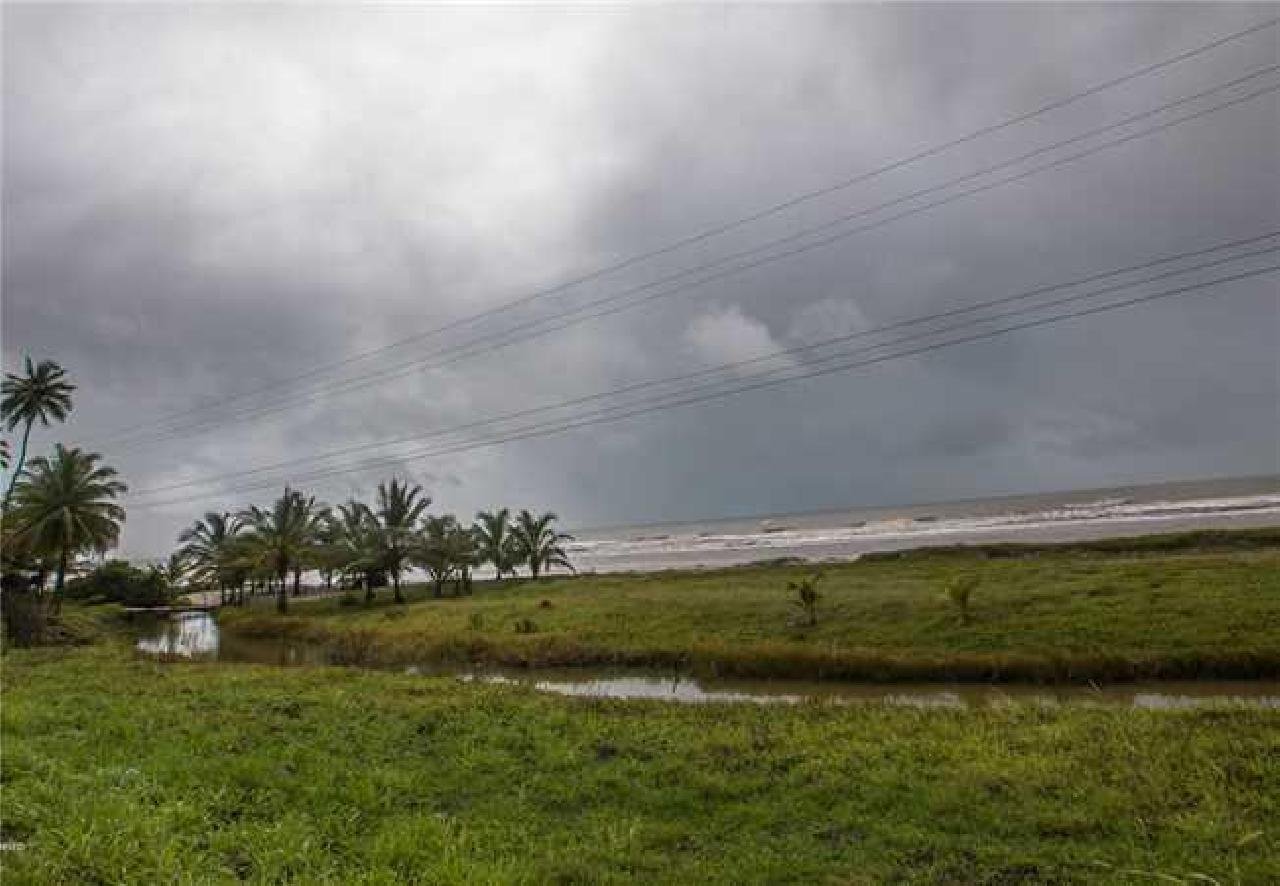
point(726, 335)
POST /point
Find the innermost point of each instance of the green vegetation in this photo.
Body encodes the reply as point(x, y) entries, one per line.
point(806, 591)
point(258, 548)
point(1062, 616)
point(537, 545)
point(42, 393)
point(65, 505)
point(55, 509)
point(119, 770)
point(117, 582)
point(960, 591)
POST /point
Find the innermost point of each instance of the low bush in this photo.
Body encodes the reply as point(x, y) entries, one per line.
point(117, 582)
point(960, 591)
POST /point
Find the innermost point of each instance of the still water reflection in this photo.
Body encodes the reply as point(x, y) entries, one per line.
point(194, 636)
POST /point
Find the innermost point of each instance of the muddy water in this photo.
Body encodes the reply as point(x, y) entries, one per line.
point(195, 636)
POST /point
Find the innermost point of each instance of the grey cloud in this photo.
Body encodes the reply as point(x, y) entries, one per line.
point(200, 200)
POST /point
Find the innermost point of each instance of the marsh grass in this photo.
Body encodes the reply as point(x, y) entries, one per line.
point(1066, 616)
point(118, 770)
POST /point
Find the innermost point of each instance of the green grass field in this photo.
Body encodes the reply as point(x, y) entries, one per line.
point(117, 770)
point(1065, 614)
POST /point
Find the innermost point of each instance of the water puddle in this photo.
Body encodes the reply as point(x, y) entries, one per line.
point(194, 636)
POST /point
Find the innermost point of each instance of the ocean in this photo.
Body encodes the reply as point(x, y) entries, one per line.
point(845, 534)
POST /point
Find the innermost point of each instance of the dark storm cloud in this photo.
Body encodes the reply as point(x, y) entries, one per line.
point(198, 201)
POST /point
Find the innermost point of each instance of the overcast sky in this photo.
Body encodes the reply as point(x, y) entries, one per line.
point(200, 201)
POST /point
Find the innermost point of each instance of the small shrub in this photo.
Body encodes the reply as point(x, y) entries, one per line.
point(544, 604)
point(806, 591)
point(960, 591)
point(26, 617)
point(526, 626)
point(476, 621)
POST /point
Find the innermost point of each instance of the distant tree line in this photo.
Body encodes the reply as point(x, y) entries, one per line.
point(362, 545)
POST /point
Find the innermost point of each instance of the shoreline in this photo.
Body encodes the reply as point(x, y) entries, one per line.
point(774, 546)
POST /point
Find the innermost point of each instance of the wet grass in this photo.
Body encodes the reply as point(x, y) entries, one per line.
point(1067, 615)
point(120, 770)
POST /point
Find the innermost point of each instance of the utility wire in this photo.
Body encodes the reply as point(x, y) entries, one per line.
point(609, 305)
point(783, 353)
point(741, 221)
point(541, 431)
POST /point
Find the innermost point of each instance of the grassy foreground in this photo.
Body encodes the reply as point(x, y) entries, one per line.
point(1076, 613)
point(117, 770)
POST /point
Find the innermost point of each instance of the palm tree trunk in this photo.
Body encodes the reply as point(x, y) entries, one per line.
point(297, 581)
point(17, 465)
point(60, 579)
point(395, 583)
point(368, 588)
point(282, 595)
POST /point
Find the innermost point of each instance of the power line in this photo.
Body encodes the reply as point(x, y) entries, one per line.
point(791, 352)
point(540, 431)
point(742, 221)
point(609, 304)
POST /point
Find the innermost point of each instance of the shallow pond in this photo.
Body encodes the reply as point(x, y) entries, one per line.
point(195, 636)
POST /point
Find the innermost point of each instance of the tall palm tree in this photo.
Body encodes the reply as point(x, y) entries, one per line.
point(41, 394)
point(209, 546)
point(538, 545)
point(497, 544)
point(400, 509)
point(281, 537)
point(65, 505)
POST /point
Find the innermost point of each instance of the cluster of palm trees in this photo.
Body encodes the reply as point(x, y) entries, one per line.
point(56, 507)
point(362, 545)
point(60, 507)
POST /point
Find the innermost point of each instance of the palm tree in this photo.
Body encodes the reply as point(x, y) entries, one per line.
point(209, 546)
point(464, 548)
point(356, 539)
point(66, 505)
point(436, 549)
point(175, 570)
point(400, 508)
point(282, 537)
point(537, 544)
point(497, 544)
point(43, 393)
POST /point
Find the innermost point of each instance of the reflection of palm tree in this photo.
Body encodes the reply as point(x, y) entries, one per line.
point(538, 544)
point(65, 505)
point(43, 393)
